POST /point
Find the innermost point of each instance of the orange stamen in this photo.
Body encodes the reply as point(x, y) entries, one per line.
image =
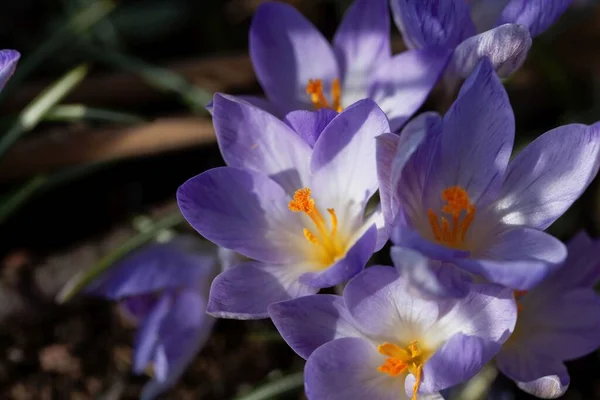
point(518, 295)
point(400, 360)
point(452, 233)
point(325, 238)
point(314, 88)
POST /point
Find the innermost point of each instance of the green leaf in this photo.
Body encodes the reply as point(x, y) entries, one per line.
point(274, 389)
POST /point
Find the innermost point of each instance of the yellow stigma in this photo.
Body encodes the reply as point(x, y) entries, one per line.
point(401, 360)
point(314, 89)
point(330, 246)
point(452, 232)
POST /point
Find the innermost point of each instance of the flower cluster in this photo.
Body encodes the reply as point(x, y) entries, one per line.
point(475, 276)
point(333, 164)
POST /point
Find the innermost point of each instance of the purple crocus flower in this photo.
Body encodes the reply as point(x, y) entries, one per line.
point(8, 64)
point(292, 198)
point(558, 320)
point(500, 30)
point(380, 342)
point(298, 69)
point(163, 288)
point(458, 200)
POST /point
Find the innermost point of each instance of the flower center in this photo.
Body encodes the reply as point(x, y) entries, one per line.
point(326, 238)
point(314, 88)
point(401, 360)
point(450, 230)
point(518, 295)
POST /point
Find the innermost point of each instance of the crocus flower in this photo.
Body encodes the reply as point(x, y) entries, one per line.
point(500, 30)
point(163, 288)
point(379, 342)
point(459, 201)
point(298, 69)
point(8, 63)
point(559, 320)
point(292, 198)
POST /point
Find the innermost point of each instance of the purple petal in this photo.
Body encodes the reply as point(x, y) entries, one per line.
point(309, 124)
point(563, 327)
point(581, 269)
point(251, 138)
point(548, 387)
point(536, 15)
point(546, 177)
point(379, 303)
point(136, 308)
point(353, 262)
point(262, 103)
point(410, 186)
point(362, 40)
point(485, 13)
point(242, 210)
point(431, 278)
point(147, 337)
point(8, 64)
point(519, 258)
point(457, 361)
point(184, 332)
point(433, 22)
point(346, 368)
point(343, 161)
point(154, 268)
point(287, 51)
point(308, 322)
point(476, 141)
point(506, 47)
point(401, 84)
point(386, 148)
point(535, 370)
point(245, 291)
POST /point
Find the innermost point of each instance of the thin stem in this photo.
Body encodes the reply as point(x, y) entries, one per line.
point(37, 109)
point(273, 390)
point(21, 195)
point(79, 112)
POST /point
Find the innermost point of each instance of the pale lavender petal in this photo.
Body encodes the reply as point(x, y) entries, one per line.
point(387, 146)
point(287, 51)
point(564, 327)
point(536, 15)
point(245, 291)
point(262, 103)
point(380, 304)
point(546, 177)
point(525, 367)
point(433, 22)
point(393, 154)
point(242, 210)
point(430, 277)
point(345, 369)
point(253, 139)
point(154, 268)
point(309, 124)
point(548, 387)
point(353, 262)
point(343, 161)
point(457, 361)
point(485, 13)
point(184, 332)
point(308, 322)
point(476, 141)
point(505, 46)
point(8, 64)
point(409, 188)
point(362, 41)
point(147, 337)
point(581, 269)
point(401, 84)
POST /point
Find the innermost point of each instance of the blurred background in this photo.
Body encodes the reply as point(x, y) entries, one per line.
point(105, 118)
